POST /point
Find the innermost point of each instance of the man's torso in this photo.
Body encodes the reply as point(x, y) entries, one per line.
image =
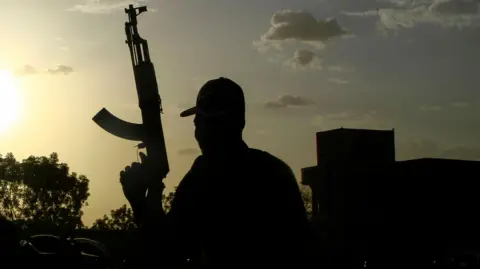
point(239, 204)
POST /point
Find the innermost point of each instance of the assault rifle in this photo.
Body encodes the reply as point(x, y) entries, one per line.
point(150, 132)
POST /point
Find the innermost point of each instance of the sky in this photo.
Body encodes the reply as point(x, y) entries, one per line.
point(305, 66)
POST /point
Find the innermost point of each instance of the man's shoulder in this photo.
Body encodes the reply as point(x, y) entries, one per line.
point(273, 171)
point(263, 159)
point(268, 160)
point(197, 164)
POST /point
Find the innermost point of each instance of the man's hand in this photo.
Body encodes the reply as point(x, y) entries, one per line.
point(134, 180)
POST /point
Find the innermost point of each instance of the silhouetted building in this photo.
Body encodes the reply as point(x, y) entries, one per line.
point(361, 196)
point(437, 201)
point(348, 182)
point(343, 146)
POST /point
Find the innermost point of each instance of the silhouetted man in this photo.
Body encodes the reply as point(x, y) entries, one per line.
point(236, 205)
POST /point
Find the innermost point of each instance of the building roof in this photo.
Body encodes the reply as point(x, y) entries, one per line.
point(438, 160)
point(342, 129)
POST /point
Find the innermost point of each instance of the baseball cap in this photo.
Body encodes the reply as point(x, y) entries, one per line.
point(218, 97)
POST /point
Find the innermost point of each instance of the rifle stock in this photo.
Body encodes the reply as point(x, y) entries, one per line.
point(150, 132)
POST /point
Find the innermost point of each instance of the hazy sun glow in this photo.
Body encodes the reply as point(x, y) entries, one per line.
point(9, 100)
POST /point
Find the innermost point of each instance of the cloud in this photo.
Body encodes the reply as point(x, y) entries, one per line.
point(460, 104)
point(446, 13)
point(338, 81)
point(189, 151)
point(367, 120)
point(60, 69)
point(397, 18)
point(449, 7)
point(105, 6)
point(302, 26)
point(436, 108)
point(340, 69)
point(303, 58)
point(425, 148)
point(277, 58)
point(26, 70)
point(461, 152)
point(367, 13)
point(430, 108)
point(417, 149)
point(407, 3)
point(287, 100)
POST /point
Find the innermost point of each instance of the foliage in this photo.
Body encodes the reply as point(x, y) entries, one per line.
point(40, 192)
point(120, 219)
point(123, 219)
point(307, 199)
point(168, 199)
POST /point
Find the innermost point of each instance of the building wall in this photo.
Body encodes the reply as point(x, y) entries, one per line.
point(353, 165)
point(309, 175)
point(355, 145)
point(368, 200)
point(437, 200)
point(354, 201)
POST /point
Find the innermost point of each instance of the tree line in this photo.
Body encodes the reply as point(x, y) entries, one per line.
point(41, 193)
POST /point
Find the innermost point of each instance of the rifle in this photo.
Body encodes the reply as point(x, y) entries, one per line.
point(150, 132)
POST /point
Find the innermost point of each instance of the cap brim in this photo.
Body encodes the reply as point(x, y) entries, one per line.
point(189, 112)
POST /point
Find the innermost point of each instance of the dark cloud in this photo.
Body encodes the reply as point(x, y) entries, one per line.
point(189, 151)
point(304, 58)
point(408, 3)
point(301, 25)
point(367, 13)
point(455, 7)
point(61, 69)
point(285, 101)
point(287, 25)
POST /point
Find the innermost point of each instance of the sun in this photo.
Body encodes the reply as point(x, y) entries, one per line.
point(9, 100)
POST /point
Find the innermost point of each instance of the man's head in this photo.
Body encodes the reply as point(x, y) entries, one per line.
point(219, 112)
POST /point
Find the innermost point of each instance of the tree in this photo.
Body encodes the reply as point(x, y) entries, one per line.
point(123, 219)
point(307, 199)
point(120, 219)
point(40, 192)
point(168, 199)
